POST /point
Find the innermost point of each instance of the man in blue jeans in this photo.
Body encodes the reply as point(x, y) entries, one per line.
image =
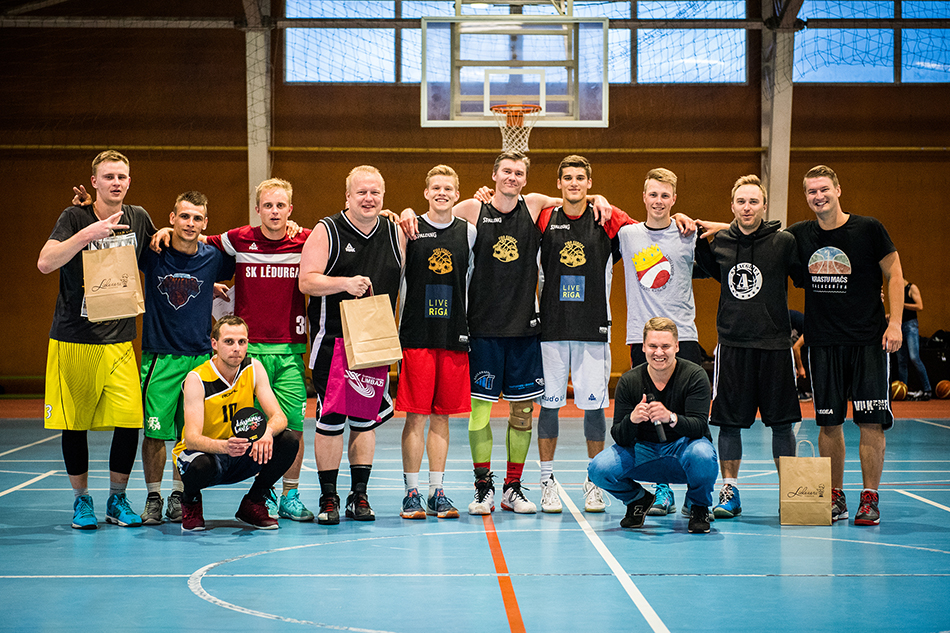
point(661, 430)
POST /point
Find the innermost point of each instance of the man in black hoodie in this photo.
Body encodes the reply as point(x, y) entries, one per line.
point(752, 260)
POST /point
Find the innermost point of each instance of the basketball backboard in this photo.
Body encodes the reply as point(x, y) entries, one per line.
point(470, 64)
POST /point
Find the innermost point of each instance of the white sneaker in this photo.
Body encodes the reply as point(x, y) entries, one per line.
point(513, 499)
point(484, 502)
point(593, 497)
point(550, 501)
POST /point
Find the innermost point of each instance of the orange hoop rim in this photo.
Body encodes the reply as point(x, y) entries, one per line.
point(516, 108)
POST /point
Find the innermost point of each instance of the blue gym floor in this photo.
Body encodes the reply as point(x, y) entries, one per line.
point(569, 572)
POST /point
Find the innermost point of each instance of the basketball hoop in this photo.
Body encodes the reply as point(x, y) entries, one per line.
point(516, 121)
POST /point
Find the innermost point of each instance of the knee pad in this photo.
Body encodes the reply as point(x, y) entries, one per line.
point(595, 425)
point(783, 440)
point(519, 415)
point(730, 443)
point(547, 423)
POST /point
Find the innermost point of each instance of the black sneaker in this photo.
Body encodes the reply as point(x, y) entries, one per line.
point(329, 509)
point(152, 515)
point(358, 509)
point(839, 506)
point(637, 511)
point(173, 509)
point(698, 519)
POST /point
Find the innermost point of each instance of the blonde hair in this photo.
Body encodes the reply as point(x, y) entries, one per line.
point(821, 171)
point(108, 156)
point(751, 179)
point(442, 170)
point(660, 175)
point(275, 183)
point(661, 324)
point(364, 169)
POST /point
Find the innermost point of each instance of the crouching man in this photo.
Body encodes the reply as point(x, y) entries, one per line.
point(209, 454)
point(661, 431)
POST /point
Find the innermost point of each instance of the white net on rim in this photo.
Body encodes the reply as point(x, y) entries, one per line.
point(516, 121)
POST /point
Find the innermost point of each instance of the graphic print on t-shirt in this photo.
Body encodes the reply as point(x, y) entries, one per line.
point(505, 249)
point(572, 255)
point(745, 281)
point(179, 288)
point(440, 261)
point(829, 268)
point(654, 270)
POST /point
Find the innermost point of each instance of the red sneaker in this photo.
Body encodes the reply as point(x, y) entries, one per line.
point(255, 514)
point(192, 516)
point(868, 514)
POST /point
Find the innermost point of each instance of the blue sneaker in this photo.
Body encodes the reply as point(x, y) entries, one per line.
point(441, 506)
point(729, 505)
point(665, 503)
point(291, 507)
point(412, 506)
point(84, 518)
point(273, 506)
point(119, 512)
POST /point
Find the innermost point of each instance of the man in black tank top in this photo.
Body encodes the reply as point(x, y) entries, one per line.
point(505, 357)
point(345, 256)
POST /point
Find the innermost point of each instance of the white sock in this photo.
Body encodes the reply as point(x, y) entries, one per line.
point(290, 484)
point(435, 481)
point(177, 486)
point(733, 481)
point(411, 480)
point(547, 470)
point(153, 487)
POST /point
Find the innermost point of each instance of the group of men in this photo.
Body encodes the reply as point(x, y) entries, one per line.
point(503, 296)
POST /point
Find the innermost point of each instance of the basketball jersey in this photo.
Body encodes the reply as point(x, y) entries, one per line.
point(432, 299)
point(268, 297)
point(576, 271)
point(502, 297)
point(222, 399)
point(351, 253)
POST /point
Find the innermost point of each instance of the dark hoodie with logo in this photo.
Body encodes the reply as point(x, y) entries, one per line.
point(753, 271)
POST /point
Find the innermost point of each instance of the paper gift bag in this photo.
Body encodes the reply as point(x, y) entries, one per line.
point(112, 286)
point(804, 489)
point(353, 392)
point(369, 331)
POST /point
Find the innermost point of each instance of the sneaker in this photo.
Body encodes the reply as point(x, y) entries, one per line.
point(152, 515)
point(273, 506)
point(119, 511)
point(173, 511)
point(291, 507)
point(868, 514)
point(357, 507)
point(550, 501)
point(329, 509)
point(484, 502)
point(698, 520)
point(637, 511)
point(513, 499)
point(839, 505)
point(192, 516)
point(687, 508)
point(593, 497)
point(440, 506)
point(664, 504)
point(412, 506)
point(256, 514)
point(729, 505)
point(84, 518)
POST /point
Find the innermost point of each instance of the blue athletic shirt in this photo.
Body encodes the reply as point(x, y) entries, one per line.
point(179, 290)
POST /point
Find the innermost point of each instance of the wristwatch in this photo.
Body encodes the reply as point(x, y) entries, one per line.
point(673, 419)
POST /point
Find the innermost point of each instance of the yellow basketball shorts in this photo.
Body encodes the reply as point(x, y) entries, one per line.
point(92, 387)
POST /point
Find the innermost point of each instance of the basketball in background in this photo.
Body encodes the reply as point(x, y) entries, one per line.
point(942, 390)
point(898, 390)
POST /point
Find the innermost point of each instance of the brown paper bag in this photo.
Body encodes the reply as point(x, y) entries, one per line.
point(804, 488)
point(369, 332)
point(112, 285)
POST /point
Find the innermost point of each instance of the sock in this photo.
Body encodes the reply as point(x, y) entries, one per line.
point(177, 486)
point(547, 470)
point(435, 481)
point(328, 481)
point(518, 443)
point(117, 488)
point(730, 480)
point(290, 484)
point(78, 492)
point(870, 490)
point(411, 480)
point(514, 472)
point(154, 487)
point(359, 477)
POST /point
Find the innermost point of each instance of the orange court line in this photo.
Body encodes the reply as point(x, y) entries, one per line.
point(515, 623)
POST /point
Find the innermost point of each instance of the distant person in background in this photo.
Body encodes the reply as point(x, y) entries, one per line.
point(800, 353)
point(913, 303)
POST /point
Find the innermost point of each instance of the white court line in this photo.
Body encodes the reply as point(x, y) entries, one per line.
point(621, 574)
point(27, 483)
point(918, 498)
point(20, 448)
point(942, 426)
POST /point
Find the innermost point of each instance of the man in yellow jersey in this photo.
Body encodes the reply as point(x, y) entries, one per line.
point(209, 454)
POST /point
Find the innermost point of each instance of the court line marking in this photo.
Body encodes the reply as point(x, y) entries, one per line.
point(28, 482)
point(619, 572)
point(942, 426)
point(20, 448)
point(512, 611)
point(919, 498)
point(480, 575)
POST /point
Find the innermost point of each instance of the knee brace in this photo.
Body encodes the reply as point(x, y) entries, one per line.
point(547, 423)
point(730, 443)
point(519, 415)
point(783, 440)
point(595, 425)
